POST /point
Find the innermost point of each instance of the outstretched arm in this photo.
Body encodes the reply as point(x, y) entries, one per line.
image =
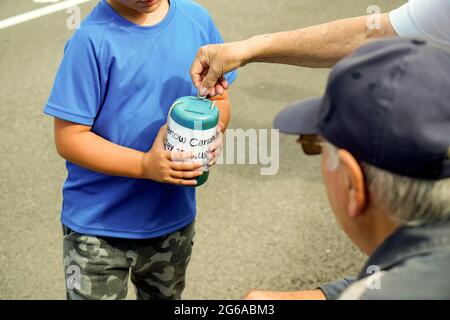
point(317, 46)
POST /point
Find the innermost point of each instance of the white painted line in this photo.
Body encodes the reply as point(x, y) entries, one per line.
point(30, 15)
point(45, 1)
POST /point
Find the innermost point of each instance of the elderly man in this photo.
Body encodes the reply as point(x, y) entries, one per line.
point(322, 45)
point(383, 129)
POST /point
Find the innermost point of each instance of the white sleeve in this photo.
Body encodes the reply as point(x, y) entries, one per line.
point(429, 19)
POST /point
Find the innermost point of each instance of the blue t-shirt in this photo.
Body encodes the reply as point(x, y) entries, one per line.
point(121, 79)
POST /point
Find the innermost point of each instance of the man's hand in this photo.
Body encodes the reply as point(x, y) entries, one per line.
point(165, 166)
point(272, 295)
point(216, 147)
point(212, 63)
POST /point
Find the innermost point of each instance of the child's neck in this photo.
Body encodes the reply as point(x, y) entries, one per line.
point(140, 18)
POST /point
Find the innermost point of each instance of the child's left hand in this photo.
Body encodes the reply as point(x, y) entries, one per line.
point(216, 147)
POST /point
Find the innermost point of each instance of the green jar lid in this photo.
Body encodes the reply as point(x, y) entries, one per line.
point(195, 113)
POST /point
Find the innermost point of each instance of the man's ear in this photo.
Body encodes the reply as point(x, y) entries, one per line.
point(357, 197)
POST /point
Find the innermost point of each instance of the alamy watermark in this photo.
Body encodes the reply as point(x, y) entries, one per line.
point(252, 147)
point(73, 277)
point(374, 18)
point(373, 282)
point(240, 147)
point(74, 20)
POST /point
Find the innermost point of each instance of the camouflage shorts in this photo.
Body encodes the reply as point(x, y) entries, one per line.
point(98, 267)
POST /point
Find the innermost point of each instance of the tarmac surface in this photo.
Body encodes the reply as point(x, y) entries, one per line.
point(267, 232)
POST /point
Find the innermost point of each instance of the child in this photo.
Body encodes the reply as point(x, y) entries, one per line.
point(127, 206)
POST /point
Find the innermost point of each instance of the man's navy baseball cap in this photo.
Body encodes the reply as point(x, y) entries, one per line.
point(388, 104)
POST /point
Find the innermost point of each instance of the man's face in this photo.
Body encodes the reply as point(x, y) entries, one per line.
point(333, 175)
point(334, 185)
point(337, 182)
point(143, 6)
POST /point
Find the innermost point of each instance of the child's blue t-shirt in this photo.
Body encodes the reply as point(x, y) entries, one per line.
point(121, 79)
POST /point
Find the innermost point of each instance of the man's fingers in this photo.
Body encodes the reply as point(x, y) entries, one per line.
point(196, 79)
point(186, 166)
point(219, 89)
point(209, 82)
point(223, 82)
point(212, 92)
point(199, 68)
point(203, 76)
point(211, 65)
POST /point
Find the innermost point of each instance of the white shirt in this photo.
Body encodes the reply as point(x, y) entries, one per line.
point(428, 19)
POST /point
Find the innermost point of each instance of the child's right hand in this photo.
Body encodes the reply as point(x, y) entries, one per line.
point(164, 166)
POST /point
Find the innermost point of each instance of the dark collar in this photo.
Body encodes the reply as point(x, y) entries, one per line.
point(408, 242)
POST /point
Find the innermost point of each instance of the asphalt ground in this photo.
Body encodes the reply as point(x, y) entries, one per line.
point(253, 231)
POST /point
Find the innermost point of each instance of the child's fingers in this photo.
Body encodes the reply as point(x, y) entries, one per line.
point(215, 152)
point(215, 145)
point(216, 148)
point(182, 182)
point(178, 155)
point(213, 159)
point(185, 174)
point(185, 166)
point(213, 156)
point(218, 142)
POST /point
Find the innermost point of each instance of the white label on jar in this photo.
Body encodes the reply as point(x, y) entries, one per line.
point(184, 139)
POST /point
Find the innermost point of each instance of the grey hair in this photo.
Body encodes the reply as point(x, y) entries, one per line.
point(410, 201)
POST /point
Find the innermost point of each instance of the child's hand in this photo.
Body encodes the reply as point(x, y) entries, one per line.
point(216, 147)
point(164, 166)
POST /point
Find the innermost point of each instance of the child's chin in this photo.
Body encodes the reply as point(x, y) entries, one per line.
point(148, 10)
